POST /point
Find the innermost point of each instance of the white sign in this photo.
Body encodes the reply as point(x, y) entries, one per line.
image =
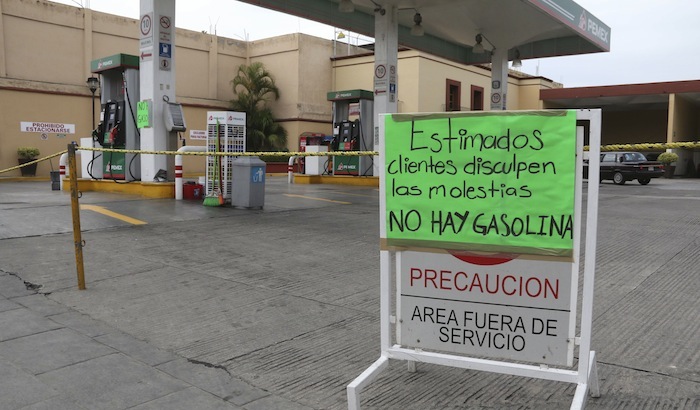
point(47, 127)
point(147, 54)
point(164, 64)
point(380, 80)
point(226, 117)
point(165, 29)
point(506, 308)
point(146, 28)
point(198, 134)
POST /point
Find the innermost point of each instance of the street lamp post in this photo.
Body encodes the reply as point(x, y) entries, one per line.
point(93, 83)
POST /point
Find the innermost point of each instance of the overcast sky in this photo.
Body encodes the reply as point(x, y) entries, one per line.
point(652, 40)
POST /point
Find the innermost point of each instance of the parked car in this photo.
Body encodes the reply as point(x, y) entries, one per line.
point(623, 166)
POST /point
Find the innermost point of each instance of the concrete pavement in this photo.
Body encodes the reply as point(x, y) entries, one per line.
point(221, 308)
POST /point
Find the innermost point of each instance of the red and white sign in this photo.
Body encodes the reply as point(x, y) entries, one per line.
point(146, 28)
point(493, 306)
point(47, 127)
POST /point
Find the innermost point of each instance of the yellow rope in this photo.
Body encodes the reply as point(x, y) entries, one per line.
point(648, 146)
point(34, 162)
point(611, 147)
point(239, 154)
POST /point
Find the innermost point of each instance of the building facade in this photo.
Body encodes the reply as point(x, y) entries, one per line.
point(46, 50)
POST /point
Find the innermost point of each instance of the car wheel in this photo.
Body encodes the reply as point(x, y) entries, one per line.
point(618, 178)
point(644, 181)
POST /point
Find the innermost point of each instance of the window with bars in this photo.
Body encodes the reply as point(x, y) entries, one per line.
point(453, 92)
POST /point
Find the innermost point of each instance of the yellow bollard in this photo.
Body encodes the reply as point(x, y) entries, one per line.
point(75, 208)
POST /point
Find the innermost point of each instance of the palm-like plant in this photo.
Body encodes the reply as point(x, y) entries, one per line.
point(254, 87)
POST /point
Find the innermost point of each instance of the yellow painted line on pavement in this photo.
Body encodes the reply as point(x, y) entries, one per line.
point(104, 211)
point(352, 194)
point(318, 199)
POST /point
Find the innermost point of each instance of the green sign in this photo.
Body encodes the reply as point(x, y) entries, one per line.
point(143, 114)
point(487, 181)
point(122, 61)
point(350, 95)
point(114, 165)
point(346, 165)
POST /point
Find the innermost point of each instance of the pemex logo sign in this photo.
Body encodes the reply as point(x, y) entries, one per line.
point(594, 28)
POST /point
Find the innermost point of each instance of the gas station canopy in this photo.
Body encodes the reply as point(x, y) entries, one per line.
point(530, 28)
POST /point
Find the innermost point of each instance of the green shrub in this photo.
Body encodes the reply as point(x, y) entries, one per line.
point(667, 158)
point(275, 158)
point(27, 152)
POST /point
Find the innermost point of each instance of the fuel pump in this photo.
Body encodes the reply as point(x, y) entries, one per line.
point(119, 85)
point(112, 127)
point(353, 124)
point(348, 136)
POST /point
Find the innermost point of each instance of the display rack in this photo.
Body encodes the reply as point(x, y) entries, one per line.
point(230, 138)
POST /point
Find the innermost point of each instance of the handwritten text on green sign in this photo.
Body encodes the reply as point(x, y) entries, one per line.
point(143, 114)
point(487, 181)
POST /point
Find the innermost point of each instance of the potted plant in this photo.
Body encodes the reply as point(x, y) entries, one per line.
point(667, 158)
point(27, 154)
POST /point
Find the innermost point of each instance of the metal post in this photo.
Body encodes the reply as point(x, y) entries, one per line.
point(75, 208)
point(93, 84)
point(93, 109)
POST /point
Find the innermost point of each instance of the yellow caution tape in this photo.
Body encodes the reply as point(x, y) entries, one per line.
point(612, 147)
point(648, 146)
point(239, 154)
point(33, 162)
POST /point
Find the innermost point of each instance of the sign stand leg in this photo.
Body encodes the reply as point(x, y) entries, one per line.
point(363, 380)
point(591, 385)
point(411, 366)
point(593, 376)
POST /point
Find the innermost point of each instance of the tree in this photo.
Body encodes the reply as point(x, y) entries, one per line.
point(254, 87)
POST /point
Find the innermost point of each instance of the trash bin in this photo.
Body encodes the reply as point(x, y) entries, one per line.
point(55, 181)
point(247, 182)
point(192, 190)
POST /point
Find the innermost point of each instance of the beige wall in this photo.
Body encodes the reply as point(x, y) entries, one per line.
point(529, 92)
point(46, 50)
point(17, 106)
point(315, 76)
point(422, 82)
point(354, 73)
point(48, 47)
point(684, 124)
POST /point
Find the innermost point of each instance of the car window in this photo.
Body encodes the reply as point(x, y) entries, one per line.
point(635, 156)
point(608, 158)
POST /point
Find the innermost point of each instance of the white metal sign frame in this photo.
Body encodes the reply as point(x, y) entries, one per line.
point(585, 375)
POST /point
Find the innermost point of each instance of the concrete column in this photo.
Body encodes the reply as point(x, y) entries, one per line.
point(213, 65)
point(157, 79)
point(386, 36)
point(87, 41)
point(499, 79)
point(3, 68)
